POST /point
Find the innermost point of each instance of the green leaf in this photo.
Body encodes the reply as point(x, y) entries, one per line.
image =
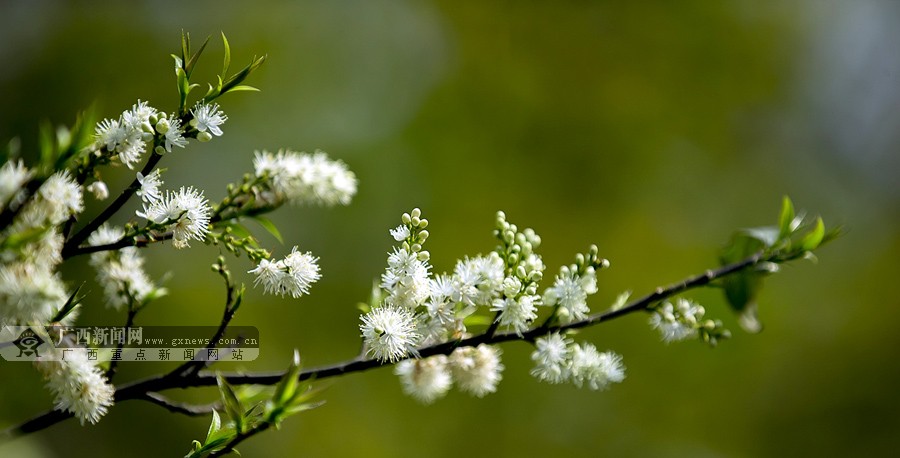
point(242, 87)
point(214, 426)
point(192, 62)
point(742, 288)
point(47, 146)
point(786, 219)
point(233, 406)
point(287, 387)
point(813, 238)
point(227, 54)
point(269, 226)
point(478, 320)
point(70, 305)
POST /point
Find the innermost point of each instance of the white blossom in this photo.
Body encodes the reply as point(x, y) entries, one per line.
point(570, 292)
point(121, 272)
point(150, 184)
point(60, 197)
point(174, 135)
point(424, 379)
point(79, 386)
point(186, 214)
point(477, 370)
point(516, 313)
point(552, 358)
point(406, 279)
point(292, 275)
point(389, 333)
point(400, 233)
point(207, 116)
point(126, 137)
point(677, 322)
point(13, 176)
point(29, 293)
point(99, 190)
point(597, 370)
point(301, 178)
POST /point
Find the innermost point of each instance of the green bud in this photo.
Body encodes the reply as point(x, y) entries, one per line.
point(423, 235)
point(159, 150)
point(162, 126)
point(579, 260)
point(405, 218)
point(204, 137)
point(414, 221)
point(520, 272)
point(423, 255)
point(423, 223)
point(536, 276)
point(416, 212)
point(416, 247)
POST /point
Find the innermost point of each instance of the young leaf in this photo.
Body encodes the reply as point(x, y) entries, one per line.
point(269, 226)
point(214, 425)
point(227, 54)
point(70, 305)
point(742, 288)
point(813, 238)
point(288, 384)
point(786, 219)
point(232, 404)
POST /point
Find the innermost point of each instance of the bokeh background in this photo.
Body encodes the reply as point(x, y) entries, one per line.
point(652, 130)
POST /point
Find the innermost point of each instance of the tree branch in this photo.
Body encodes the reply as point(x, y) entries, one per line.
point(72, 244)
point(139, 389)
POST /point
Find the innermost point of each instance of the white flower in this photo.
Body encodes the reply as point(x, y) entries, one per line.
point(389, 333)
point(478, 280)
point(186, 213)
point(60, 197)
point(79, 386)
point(121, 272)
point(173, 136)
point(570, 292)
point(13, 176)
point(29, 293)
point(678, 322)
point(207, 116)
point(406, 279)
point(552, 358)
point(292, 275)
point(596, 369)
point(126, 136)
point(401, 233)
point(99, 190)
point(477, 370)
point(301, 178)
point(424, 379)
point(516, 313)
point(149, 191)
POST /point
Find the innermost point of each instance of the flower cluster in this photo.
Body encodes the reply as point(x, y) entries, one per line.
point(292, 275)
point(186, 213)
point(30, 288)
point(121, 272)
point(557, 360)
point(78, 385)
point(573, 285)
point(517, 305)
point(301, 178)
point(684, 320)
point(677, 322)
point(127, 136)
point(476, 370)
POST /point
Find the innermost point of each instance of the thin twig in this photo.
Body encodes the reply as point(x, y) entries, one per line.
point(191, 410)
point(138, 389)
point(129, 322)
point(72, 244)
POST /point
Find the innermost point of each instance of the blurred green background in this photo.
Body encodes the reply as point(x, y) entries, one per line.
point(652, 130)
